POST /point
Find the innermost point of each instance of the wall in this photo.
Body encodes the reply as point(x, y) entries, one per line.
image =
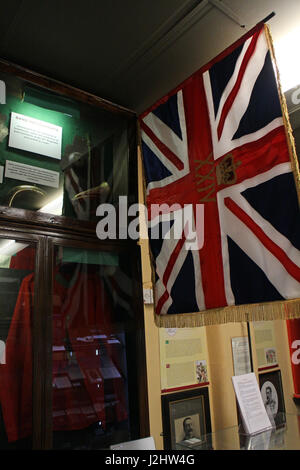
point(221, 370)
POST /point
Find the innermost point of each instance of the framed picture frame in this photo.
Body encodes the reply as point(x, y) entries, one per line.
point(271, 390)
point(186, 419)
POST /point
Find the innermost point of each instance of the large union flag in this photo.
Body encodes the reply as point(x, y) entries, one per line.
point(220, 140)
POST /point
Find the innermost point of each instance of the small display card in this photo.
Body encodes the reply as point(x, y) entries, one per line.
point(33, 135)
point(253, 412)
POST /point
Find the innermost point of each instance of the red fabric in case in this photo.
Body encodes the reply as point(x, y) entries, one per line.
point(81, 314)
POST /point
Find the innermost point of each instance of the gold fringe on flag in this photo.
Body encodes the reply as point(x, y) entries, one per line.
point(279, 310)
point(286, 120)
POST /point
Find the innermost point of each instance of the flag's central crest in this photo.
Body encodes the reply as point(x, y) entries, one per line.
point(210, 174)
point(226, 170)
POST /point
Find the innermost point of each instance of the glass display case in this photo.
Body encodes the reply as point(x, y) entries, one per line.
point(60, 155)
point(72, 368)
point(285, 436)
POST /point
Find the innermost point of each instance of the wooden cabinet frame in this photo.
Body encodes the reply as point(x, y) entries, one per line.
point(46, 231)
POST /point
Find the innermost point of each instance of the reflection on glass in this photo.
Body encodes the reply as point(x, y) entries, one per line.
point(17, 263)
point(91, 319)
point(60, 156)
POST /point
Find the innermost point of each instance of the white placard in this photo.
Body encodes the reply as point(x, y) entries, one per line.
point(31, 174)
point(33, 135)
point(253, 412)
point(1, 173)
point(148, 296)
point(241, 355)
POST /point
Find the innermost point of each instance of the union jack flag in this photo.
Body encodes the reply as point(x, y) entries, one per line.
point(219, 140)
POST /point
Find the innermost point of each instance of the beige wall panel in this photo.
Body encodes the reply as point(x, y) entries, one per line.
point(221, 370)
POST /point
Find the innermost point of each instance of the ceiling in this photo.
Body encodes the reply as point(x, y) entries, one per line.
point(130, 52)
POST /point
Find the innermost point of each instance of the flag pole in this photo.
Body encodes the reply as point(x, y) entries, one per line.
point(250, 346)
point(267, 18)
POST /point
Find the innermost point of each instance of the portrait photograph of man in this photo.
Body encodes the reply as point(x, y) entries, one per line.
point(187, 428)
point(272, 395)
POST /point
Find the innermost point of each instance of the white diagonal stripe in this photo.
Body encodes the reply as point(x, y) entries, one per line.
point(231, 192)
point(226, 143)
point(173, 276)
point(242, 99)
point(280, 240)
point(285, 284)
point(277, 170)
point(166, 135)
point(168, 246)
point(232, 80)
point(172, 141)
point(176, 174)
point(166, 162)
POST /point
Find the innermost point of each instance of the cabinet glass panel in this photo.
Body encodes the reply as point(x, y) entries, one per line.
point(58, 155)
point(94, 389)
point(17, 265)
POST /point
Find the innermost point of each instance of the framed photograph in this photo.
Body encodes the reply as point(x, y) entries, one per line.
point(271, 390)
point(186, 418)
